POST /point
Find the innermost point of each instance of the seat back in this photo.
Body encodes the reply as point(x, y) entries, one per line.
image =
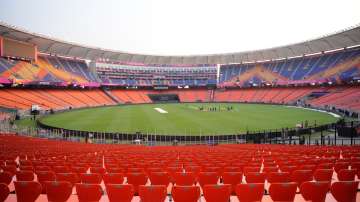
point(276, 177)
point(347, 175)
point(184, 179)
point(5, 177)
point(4, 191)
point(186, 193)
point(70, 177)
point(249, 192)
point(58, 191)
point(314, 191)
point(24, 175)
point(120, 192)
point(205, 178)
point(255, 177)
point(153, 193)
point(136, 179)
point(27, 191)
point(217, 193)
point(344, 191)
point(232, 178)
point(159, 178)
point(284, 192)
point(323, 175)
point(90, 178)
point(88, 192)
point(300, 176)
point(113, 178)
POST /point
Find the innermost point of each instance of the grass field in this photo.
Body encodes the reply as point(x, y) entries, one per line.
point(186, 119)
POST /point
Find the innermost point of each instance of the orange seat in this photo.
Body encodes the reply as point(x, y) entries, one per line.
point(159, 178)
point(323, 174)
point(284, 192)
point(4, 191)
point(205, 178)
point(153, 193)
point(136, 179)
point(250, 192)
point(113, 178)
point(186, 193)
point(276, 177)
point(24, 175)
point(314, 191)
point(347, 175)
point(217, 193)
point(27, 191)
point(344, 191)
point(88, 192)
point(232, 178)
point(184, 179)
point(120, 192)
point(58, 191)
point(90, 178)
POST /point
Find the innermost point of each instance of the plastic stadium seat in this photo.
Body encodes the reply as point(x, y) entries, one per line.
point(289, 169)
point(217, 193)
point(341, 165)
point(29, 168)
point(300, 176)
point(42, 168)
point(344, 191)
point(58, 191)
point(61, 169)
point(314, 191)
point(255, 177)
point(27, 191)
point(136, 179)
point(120, 192)
point(205, 178)
point(78, 170)
point(114, 170)
point(251, 170)
point(284, 192)
point(272, 169)
point(25, 175)
point(153, 193)
point(347, 175)
point(325, 166)
point(88, 192)
point(172, 171)
point(250, 192)
point(184, 179)
point(5, 177)
point(185, 193)
point(323, 174)
point(276, 177)
point(113, 178)
point(10, 168)
point(70, 177)
point(4, 191)
point(90, 178)
point(232, 178)
point(99, 170)
point(159, 178)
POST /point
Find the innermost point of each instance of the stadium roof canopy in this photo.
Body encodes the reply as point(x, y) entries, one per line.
point(343, 39)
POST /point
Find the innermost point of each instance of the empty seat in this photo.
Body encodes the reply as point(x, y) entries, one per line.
point(278, 177)
point(61, 169)
point(186, 193)
point(159, 178)
point(217, 193)
point(184, 179)
point(24, 175)
point(347, 175)
point(27, 191)
point(205, 178)
point(153, 193)
point(344, 191)
point(232, 178)
point(120, 192)
point(136, 179)
point(58, 191)
point(4, 191)
point(5, 177)
point(249, 192)
point(70, 177)
point(255, 177)
point(314, 191)
point(90, 178)
point(113, 178)
point(99, 170)
point(300, 176)
point(284, 192)
point(88, 192)
point(323, 174)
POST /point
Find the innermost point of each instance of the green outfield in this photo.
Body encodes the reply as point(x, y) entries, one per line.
point(186, 119)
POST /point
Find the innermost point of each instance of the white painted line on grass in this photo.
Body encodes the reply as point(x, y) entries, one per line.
point(161, 110)
point(317, 110)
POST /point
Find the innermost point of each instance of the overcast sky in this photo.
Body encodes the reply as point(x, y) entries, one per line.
point(182, 27)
